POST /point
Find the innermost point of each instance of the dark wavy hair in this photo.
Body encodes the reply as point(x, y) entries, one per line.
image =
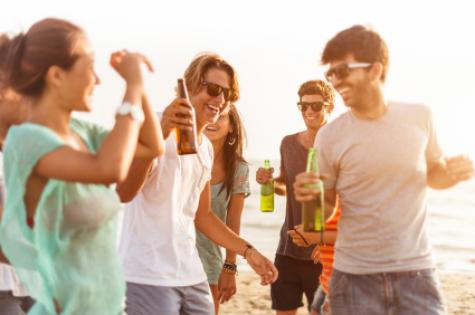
point(362, 42)
point(233, 148)
point(318, 87)
point(27, 57)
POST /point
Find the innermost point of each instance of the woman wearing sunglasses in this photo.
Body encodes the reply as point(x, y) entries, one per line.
point(298, 275)
point(170, 196)
point(59, 225)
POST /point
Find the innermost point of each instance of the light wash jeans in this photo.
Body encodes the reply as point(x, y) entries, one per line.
point(394, 293)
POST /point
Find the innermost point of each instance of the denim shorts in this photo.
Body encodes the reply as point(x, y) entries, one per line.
point(394, 293)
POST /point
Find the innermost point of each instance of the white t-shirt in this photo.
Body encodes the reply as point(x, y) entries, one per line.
point(379, 170)
point(8, 278)
point(158, 244)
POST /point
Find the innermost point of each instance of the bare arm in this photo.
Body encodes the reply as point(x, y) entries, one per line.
point(151, 143)
point(110, 164)
point(210, 225)
point(112, 161)
point(305, 239)
point(135, 180)
point(264, 176)
point(233, 220)
point(449, 172)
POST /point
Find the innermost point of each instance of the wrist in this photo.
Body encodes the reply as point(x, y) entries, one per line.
point(247, 251)
point(229, 268)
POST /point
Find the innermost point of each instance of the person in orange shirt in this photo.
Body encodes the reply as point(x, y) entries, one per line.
point(322, 253)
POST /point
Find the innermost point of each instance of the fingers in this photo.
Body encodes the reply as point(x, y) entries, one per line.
point(147, 62)
point(460, 167)
point(178, 115)
point(296, 238)
point(316, 254)
point(302, 186)
point(225, 294)
point(264, 176)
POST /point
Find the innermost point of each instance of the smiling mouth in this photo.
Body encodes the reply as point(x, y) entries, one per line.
point(213, 108)
point(211, 128)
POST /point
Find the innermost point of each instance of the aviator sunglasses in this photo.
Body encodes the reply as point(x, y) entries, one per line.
point(343, 70)
point(215, 90)
point(316, 106)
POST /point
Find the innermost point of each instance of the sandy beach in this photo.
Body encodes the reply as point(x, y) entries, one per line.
point(252, 298)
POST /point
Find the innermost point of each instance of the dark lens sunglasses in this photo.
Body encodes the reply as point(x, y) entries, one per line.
point(215, 90)
point(316, 106)
point(343, 70)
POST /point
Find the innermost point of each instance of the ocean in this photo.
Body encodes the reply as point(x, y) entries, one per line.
point(451, 224)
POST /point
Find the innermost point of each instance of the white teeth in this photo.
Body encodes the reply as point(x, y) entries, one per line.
point(209, 128)
point(213, 108)
point(343, 90)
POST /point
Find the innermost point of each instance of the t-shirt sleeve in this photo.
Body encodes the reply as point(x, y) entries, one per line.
point(326, 166)
point(94, 132)
point(433, 150)
point(25, 145)
point(241, 180)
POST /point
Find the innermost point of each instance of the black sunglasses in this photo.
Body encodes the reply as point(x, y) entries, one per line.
point(343, 70)
point(215, 90)
point(316, 106)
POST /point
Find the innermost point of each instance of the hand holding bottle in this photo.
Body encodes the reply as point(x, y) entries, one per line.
point(177, 115)
point(305, 186)
point(264, 176)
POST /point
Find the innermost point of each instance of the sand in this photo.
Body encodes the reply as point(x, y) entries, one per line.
point(252, 298)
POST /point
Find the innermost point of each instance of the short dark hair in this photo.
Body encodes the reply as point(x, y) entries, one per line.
point(318, 87)
point(362, 42)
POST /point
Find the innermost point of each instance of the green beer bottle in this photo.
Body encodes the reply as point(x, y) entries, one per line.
point(313, 214)
point(267, 193)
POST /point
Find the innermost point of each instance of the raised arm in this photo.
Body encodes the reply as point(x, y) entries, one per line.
point(112, 161)
point(174, 116)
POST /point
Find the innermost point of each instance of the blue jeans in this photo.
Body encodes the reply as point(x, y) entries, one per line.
point(394, 293)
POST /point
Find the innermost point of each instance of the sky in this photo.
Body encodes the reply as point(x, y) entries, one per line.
point(275, 46)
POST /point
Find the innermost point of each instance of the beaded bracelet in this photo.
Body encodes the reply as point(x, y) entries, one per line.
point(230, 267)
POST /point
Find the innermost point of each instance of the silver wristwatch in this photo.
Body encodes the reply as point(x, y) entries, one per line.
point(135, 111)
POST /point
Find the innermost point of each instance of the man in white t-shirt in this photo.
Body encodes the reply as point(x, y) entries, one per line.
point(169, 197)
point(379, 158)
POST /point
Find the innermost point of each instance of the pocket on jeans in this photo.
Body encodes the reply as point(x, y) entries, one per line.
point(338, 283)
point(429, 284)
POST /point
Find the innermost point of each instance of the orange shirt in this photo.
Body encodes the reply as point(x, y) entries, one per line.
point(327, 252)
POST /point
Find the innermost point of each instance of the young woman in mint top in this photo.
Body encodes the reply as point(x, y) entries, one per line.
point(59, 170)
point(229, 188)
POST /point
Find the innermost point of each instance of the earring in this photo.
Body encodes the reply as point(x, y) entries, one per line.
point(231, 140)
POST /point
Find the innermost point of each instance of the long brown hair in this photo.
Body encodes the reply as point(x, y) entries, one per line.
point(28, 56)
point(233, 148)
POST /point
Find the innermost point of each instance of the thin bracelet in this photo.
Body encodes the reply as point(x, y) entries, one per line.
point(248, 247)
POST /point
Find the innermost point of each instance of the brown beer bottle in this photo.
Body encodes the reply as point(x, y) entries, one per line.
point(185, 139)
